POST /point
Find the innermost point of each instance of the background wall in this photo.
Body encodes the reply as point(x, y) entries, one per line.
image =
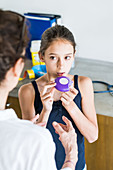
point(91, 22)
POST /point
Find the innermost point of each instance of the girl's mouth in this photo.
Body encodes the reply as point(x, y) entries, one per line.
point(60, 74)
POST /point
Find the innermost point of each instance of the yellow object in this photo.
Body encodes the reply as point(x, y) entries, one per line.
point(35, 59)
point(20, 79)
point(31, 74)
point(35, 47)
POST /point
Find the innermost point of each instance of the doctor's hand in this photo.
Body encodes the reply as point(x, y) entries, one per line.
point(68, 138)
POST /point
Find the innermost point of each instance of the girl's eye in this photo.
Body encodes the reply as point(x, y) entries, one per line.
point(67, 57)
point(52, 57)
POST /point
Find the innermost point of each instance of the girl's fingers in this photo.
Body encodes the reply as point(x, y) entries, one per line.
point(35, 118)
point(67, 97)
point(52, 91)
point(47, 95)
point(47, 86)
point(65, 101)
point(73, 90)
point(43, 124)
point(72, 93)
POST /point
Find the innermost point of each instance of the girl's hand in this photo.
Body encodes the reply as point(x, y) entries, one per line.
point(35, 121)
point(67, 97)
point(47, 96)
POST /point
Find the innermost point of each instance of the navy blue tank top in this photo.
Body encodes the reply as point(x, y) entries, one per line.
point(56, 115)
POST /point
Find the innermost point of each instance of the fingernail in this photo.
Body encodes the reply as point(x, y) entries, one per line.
point(55, 123)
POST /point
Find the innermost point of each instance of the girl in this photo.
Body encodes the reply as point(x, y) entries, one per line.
point(57, 51)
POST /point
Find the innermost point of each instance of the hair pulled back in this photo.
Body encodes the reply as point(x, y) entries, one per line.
point(55, 33)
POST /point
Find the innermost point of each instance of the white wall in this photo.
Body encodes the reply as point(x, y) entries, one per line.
point(91, 22)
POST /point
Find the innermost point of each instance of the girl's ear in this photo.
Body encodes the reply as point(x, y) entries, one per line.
point(74, 52)
point(74, 55)
point(41, 57)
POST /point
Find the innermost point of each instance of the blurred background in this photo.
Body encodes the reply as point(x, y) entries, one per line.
point(91, 22)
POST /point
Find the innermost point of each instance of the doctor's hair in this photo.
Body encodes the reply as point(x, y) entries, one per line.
point(55, 33)
point(13, 40)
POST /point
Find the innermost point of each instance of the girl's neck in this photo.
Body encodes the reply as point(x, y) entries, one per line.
point(49, 78)
point(3, 97)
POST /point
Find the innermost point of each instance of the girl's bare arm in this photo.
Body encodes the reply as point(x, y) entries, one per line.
point(86, 121)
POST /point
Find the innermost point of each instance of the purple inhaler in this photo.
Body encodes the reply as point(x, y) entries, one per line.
point(63, 83)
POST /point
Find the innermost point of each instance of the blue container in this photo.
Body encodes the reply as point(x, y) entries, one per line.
point(37, 24)
point(39, 70)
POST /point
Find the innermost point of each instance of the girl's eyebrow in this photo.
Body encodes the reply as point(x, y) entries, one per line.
point(69, 54)
point(52, 54)
point(56, 54)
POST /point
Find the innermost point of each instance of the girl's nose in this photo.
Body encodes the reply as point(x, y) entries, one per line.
point(60, 63)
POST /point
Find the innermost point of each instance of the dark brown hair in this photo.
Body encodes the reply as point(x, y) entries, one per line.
point(55, 33)
point(12, 43)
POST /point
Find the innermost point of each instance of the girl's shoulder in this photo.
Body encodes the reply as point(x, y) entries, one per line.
point(26, 90)
point(29, 89)
point(84, 80)
point(85, 84)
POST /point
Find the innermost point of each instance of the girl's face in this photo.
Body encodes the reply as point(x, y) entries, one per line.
point(58, 58)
